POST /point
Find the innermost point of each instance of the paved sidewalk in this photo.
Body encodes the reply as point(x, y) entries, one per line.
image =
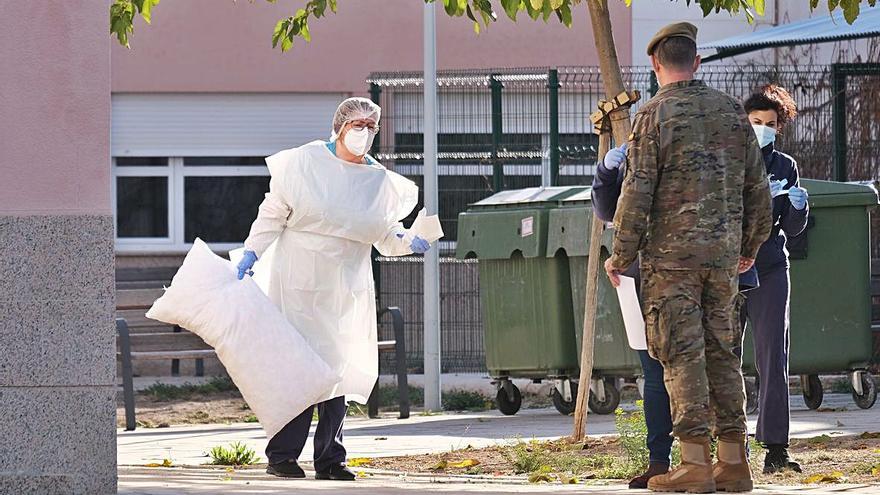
point(186, 445)
point(141, 481)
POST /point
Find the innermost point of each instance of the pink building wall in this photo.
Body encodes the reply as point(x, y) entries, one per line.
point(212, 46)
point(54, 138)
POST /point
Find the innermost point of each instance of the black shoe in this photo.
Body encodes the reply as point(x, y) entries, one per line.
point(654, 469)
point(336, 472)
point(288, 469)
point(777, 459)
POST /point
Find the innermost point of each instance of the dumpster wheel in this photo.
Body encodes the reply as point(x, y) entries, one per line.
point(813, 393)
point(612, 399)
point(565, 408)
point(508, 404)
point(751, 396)
point(869, 391)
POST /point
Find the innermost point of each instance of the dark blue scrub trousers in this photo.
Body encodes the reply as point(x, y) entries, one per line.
point(288, 443)
point(767, 310)
point(658, 417)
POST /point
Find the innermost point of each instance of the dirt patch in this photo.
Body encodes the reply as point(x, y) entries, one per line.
point(851, 459)
point(221, 407)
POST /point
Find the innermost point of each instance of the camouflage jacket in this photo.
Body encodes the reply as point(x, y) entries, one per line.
point(696, 194)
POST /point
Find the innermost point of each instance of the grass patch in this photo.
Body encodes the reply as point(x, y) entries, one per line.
point(387, 396)
point(251, 418)
point(161, 392)
point(238, 454)
point(466, 400)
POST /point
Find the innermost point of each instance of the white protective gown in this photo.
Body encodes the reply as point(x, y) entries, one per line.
point(324, 214)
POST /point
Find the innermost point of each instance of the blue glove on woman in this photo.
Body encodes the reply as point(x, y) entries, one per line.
point(246, 263)
point(615, 157)
point(798, 197)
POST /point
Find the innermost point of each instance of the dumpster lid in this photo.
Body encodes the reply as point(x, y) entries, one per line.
point(827, 193)
point(530, 196)
point(583, 196)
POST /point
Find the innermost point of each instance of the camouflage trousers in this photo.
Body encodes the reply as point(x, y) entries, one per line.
point(694, 331)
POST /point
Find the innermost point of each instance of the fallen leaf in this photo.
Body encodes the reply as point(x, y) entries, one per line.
point(538, 477)
point(568, 480)
point(440, 466)
point(465, 463)
point(870, 435)
point(833, 477)
point(875, 471)
point(361, 474)
point(839, 424)
point(166, 462)
point(358, 462)
point(230, 469)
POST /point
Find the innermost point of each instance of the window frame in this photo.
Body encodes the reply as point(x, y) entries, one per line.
point(176, 172)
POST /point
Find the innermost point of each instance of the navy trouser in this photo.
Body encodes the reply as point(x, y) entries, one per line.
point(658, 417)
point(767, 309)
point(288, 443)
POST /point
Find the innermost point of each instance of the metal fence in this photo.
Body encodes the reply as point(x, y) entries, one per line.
point(514, 128)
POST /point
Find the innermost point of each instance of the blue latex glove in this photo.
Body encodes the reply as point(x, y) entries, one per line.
point(419, 245)
point(615, 157)
point(246, 263)
point(777, 186)
point(798, 197)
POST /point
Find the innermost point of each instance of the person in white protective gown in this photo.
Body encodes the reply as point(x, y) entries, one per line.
point(328, 204)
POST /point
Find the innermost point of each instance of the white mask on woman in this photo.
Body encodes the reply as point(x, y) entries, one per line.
point(358, 142)
point(766, 135)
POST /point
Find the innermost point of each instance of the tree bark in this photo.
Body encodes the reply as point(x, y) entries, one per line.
point(621, 128)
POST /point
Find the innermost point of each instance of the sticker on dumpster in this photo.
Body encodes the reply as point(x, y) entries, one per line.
point(528, 227)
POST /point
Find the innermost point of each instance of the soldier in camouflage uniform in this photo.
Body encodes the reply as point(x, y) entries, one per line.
point(695, 202)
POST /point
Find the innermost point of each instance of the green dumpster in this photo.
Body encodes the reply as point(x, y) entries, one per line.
point(830, 292)
point(525, 295)
point(569, 233)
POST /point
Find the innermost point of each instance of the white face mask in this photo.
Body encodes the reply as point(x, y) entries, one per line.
point(358, 142)
point(766, 135)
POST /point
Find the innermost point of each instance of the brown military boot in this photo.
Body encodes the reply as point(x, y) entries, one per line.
point(731, 472)
point(693, 475)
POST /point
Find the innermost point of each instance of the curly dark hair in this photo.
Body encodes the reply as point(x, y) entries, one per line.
point(773, 97)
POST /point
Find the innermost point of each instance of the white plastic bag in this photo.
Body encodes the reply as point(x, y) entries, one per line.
point(277, 372)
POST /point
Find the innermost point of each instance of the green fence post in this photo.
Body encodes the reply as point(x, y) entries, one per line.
point(497, 165)
point(838, 121)
point(553, 86)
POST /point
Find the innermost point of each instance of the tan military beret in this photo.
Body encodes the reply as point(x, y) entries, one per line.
point(683, 29)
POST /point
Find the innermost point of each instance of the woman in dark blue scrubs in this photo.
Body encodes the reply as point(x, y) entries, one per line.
point(770, 109)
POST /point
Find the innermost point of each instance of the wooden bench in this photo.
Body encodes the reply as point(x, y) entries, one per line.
point(185, 345)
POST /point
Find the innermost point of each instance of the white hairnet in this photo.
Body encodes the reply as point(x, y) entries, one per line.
point(354, 109)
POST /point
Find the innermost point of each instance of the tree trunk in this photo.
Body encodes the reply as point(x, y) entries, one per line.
point(621, 128)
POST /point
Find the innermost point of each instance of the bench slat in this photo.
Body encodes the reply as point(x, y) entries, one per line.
point(136, 298)
point(154, 355)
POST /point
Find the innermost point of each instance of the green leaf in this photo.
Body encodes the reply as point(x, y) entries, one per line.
point(813, 5)
point(472, 17)
point(706, 6)
point(832, 4)
point(555, 4)
point(533, 12)
point(511, 8)
point(850, 10)
point(759, 7)
point(547, 11)
point(451, 7)
point(286, 43)
point(280, 30)
point(333, 6)
point(537, 4)
point(565, 14)
point(304, 32)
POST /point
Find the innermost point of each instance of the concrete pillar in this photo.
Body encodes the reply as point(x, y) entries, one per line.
point(57, 334)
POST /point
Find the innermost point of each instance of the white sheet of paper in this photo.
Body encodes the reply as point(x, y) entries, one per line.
point(632, 314)
point(428, 228)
